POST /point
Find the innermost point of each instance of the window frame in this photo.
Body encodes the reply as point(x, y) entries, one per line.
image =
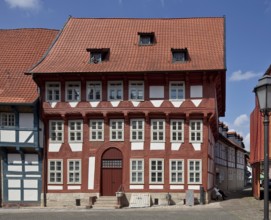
point(182, 51)
point(74, 171)
point(94, 83)
point(137, 130)
point(150, 36)
point(136, 171)
point(76, 131)
point(73, 93)
point(54, 171)
point(193, 171)
point(115, 88)
point(176, 172)
point(117, 130)
point(176, 131)
point(156, 171)
point(158, 131)
point(137, 88)
point(10, 121)
point(47, 84)
point(97, 130)
point(56, 131)
point(196, 131)
point(177, 88)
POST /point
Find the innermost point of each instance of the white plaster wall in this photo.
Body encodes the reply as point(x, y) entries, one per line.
point(74, 187)
point(197, 146)
point(7, 136)
point(196, 102)
point(137, 145)
point(94, 104)
point(55, 187)
point(76, 147)
point(157, 103)
point(175, 146)
point(30, 195)
point(91, 172)
point(31, 168)
point(157, 146)
point(176, 187)
point(136, 186)
point(30, 184)
point(115, 103)
point(177, 104)
point(14, 183)
point(73, 104)
point(26, 120)
point(23, 135)
point(54, 147)
point(156, 186)
point(14, 195)
point(195, 187)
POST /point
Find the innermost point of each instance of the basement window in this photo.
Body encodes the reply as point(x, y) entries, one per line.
point(146, 38)
point(98, 55)
point(179, 55)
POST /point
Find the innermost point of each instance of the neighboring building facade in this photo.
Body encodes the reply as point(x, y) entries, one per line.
point(257, 146)
point(132, 103)
point(230, 160)
point(20, 142)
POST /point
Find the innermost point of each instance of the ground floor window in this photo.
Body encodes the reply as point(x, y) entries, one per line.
point(176, 171)
point(194, 171)
point(136, 171)
point(55, 171)
point(156, 171)
point(74, 171)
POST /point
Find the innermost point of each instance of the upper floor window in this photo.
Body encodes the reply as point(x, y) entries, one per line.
point(117, 130)
point(98, 55)
point(177, 130)
point(136, 90)
point(176, 91)
point(75, 131)
point(115, 90)
point(73, 91)
point(195, 131)
point(179, 55)
point(146, 38)
point(137, 130)
point(56, 131)
point(7, 119)
point(94, 91)
point(53, 92)
point(158, 130)
point(96, 130)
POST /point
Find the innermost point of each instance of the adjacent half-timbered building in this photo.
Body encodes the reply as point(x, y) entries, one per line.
point(131, 103)
point(20, 142)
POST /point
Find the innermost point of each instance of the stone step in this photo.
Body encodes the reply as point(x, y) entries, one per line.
point(105, 202)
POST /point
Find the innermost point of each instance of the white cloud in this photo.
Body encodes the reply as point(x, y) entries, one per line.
point(246, 141)
point(239, 75)
point(25, 4)
point(241, 120)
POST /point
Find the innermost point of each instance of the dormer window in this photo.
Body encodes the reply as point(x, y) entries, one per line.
point(179, 55)
point(98, 55)
point(146, 38)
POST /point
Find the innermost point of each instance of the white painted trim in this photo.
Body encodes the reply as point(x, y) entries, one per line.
point(136, 187)
point(53, 104)
point(13, 183)
point(50, 187)
point(135, 103)
point(196, 102)
point(94, 104)
point(30, 184)
point(176, 186)
point(115, 103)
point(7, 136)
point(34, 176)
point(10, 175)
point(177, 104)
point(157, 103)
point(156, 186)
point(54, 147)
point(76, 147)
point(31, 195)
point(196, 146)
point(73, 104)
point(91, 172)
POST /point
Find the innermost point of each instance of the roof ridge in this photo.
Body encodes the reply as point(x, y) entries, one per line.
point(18, 29)
point(127, 18)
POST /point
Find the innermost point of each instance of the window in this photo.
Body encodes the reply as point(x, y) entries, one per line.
point(75, 131)
point(177, 130)
point(96, 130)
point(56, 131)
point(194, 171)
point(176, 91)
point(55, 171)
point(158, 130)
point(98, 55)
point(74, 171)
point(73, 91)
point(115, 91)
point(136, 91)
point(156, 171)
point(94, 91)
point(7, 119)
point(53, 92)
point(176, 171)
point(146, 38)
point(196, 131)
point(179, 55)
point(137, 171)
point(116, 130)
point(137, 130)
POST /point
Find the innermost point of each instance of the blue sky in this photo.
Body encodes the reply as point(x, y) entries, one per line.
point(248, 35)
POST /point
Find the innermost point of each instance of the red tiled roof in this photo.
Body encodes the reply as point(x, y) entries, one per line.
point(203, 37)
point(20, 49)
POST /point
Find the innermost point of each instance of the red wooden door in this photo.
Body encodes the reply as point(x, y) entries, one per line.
point(111, 172)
